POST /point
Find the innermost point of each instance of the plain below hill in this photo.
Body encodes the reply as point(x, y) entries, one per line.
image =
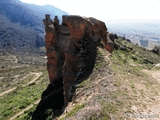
point(21, 27)
point(145, 33)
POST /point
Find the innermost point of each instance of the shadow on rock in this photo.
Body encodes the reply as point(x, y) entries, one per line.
point(53, 100)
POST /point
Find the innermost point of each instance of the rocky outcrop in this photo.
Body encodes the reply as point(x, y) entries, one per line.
point(109, 45)
point(113, 37)
point(69, 46)
point(156, 50)
point(71, 53)
point(110, 42)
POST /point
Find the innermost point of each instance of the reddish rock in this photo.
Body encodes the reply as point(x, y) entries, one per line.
point(70, 45)
point(109, 45)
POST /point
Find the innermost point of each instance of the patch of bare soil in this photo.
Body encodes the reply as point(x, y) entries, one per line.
point(16, 60)
point(152, 111)
point(154, 73)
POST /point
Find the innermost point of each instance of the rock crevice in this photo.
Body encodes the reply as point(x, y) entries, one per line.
point(71, 50)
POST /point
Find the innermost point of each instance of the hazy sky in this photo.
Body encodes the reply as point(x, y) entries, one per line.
point(107, 9)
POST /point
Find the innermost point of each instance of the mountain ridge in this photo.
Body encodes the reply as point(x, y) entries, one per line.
point(21, 25)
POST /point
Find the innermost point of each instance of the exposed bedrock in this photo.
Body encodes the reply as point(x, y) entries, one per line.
point(71, 50)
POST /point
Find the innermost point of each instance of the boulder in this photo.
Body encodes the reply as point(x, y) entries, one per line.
point(109, 46)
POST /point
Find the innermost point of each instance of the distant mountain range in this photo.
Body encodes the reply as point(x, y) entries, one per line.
point(21, 27)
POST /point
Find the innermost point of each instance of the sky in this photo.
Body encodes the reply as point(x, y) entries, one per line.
point(107, 9)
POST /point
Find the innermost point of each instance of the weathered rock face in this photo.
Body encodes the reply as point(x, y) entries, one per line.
point(69, 47)
point(110, 42)
point(71, 51)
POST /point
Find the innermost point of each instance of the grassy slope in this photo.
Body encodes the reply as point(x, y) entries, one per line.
point(117, 87)
point(17, 71)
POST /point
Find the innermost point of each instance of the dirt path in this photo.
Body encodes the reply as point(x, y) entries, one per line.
point(25, 109)
point(8, 91)
point(106, 54)
point(37, 75)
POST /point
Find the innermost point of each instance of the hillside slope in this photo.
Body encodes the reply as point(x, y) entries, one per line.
point(21, 25)
point(124, 85)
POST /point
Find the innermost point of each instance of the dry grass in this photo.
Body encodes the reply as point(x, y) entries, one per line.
point(122, 85)
point(118, 88)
